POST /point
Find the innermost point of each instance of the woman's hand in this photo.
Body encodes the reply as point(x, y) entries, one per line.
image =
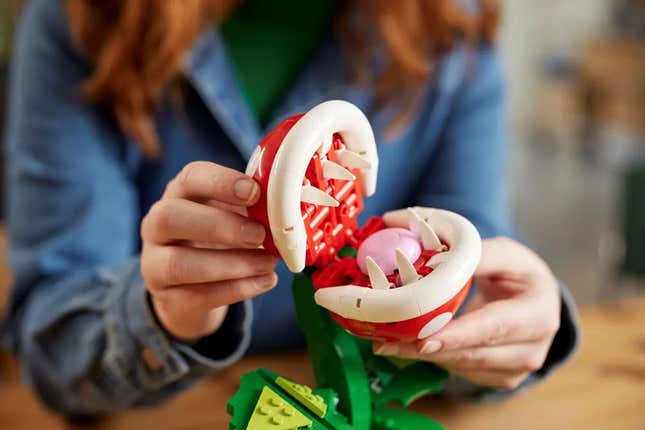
point(200, 253)
point(506, 330)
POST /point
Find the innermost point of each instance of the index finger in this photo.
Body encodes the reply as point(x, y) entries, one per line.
point(203, 180)
point(496, 323)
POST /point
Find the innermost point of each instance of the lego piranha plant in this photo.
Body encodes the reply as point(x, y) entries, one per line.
point(400, 277)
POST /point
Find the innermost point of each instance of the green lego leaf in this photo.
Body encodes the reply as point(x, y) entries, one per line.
point(410, 383)
point(244, 403)
point(335, 355)
point(386, 418)
point(241, 406)
point(272, 412)
point(302, 393)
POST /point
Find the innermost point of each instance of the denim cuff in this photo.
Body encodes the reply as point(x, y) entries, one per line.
point(224, 347)
point(163, 360)
point(567, 339)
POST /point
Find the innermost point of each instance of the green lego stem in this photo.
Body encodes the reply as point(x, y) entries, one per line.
point(336, 359)
point(365, 383)
point(356, 387)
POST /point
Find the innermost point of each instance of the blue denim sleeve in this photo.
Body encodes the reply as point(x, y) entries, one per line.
point(79, 317)
point(470, 177)
point(469, 164)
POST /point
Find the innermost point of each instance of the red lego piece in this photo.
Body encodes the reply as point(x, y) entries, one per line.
point(328, 228)
point(345, 271)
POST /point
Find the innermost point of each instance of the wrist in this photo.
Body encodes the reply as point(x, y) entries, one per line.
point(186, 326)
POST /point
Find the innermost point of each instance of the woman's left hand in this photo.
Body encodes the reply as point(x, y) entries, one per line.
point(507, 328)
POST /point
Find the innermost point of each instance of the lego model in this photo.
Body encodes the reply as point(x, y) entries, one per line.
point(400, 277)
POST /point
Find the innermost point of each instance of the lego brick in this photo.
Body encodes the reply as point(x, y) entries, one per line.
point(272, 412)
point(304, 395)
point(245, 404)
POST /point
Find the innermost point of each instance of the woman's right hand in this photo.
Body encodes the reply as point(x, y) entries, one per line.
point(200, 253)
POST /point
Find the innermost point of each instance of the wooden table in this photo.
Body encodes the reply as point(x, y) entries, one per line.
point(602, 388)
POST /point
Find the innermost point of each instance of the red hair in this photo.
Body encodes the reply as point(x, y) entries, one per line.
point(138, 46)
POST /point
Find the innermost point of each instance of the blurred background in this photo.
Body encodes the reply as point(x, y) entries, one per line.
point(576, 74)
point(576, 86)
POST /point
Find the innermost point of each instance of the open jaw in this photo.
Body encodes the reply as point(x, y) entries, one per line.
point(314, 169)
point(451, 269)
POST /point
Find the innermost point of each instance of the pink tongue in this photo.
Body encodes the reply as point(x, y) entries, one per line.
point(381, 247)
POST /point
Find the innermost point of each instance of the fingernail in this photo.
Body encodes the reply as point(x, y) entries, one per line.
point(387, 349)
point(245, 189)
point(266, 282)
point(431, 346)
point(252, 233)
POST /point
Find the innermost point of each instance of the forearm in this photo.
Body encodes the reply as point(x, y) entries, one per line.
point(90, 344)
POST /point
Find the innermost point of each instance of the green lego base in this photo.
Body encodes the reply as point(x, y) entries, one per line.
point(275, 413)
point(247, 403)
point(314, 402)
point(356, 387)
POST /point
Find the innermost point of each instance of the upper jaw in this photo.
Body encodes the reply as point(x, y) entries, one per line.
point(310, 135)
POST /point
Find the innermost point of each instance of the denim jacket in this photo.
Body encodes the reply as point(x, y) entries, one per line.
point(79, 317)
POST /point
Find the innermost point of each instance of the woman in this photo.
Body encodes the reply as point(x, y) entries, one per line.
point(138, 116)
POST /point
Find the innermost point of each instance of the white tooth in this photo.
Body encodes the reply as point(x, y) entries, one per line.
point(413, 221)
point(429, 238)
point(407, 272)
point(316, 196)
point(438, 259)
point(325, 146)
point(332, 170)
point(422, 229)
point(377, 277)
point(352, 160)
